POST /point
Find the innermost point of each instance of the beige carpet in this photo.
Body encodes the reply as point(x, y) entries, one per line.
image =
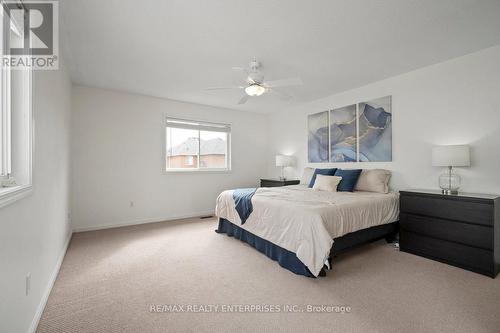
point(110, 278)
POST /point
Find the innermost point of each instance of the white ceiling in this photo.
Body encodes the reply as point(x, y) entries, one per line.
point(174, 49)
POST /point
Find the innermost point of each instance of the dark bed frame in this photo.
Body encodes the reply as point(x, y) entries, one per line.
point(365, 236)
point(361, 237)
point(340, 245)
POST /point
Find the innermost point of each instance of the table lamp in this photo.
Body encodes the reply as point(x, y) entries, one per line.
point(450, 156)
point(283, 161)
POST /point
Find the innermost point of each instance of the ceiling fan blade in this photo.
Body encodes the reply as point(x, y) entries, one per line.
point(247, 74)
point(280, 94)
point(243, 100)
point(296, 81)
point(224, 88)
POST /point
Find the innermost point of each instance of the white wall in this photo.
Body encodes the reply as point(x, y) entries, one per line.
point(34, 231)
point(118, 140)
point(117, 158)
point(454, 102)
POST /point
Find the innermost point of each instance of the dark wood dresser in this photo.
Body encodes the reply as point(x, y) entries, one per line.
point(278, 182)
point(461, 230)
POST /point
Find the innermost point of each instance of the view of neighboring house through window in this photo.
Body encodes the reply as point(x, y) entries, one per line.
point(193, 145)
point(190, 160)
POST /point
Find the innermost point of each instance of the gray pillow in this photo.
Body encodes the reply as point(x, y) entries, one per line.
point(307, 175)
point(375, 180)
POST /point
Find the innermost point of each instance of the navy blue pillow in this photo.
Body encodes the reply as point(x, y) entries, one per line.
point(324, 172)
point(349, 179)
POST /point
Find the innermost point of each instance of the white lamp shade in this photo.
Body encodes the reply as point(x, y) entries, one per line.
point(284, 160)
point(456, 156)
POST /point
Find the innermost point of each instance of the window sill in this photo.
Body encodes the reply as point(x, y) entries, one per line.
point(190, 171)
point(9, 195)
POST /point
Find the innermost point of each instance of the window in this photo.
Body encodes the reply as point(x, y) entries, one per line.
point(197, 146)
point(5, 113)
point(15, 116)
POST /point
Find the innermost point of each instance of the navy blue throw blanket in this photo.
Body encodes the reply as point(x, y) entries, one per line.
point(243, 201)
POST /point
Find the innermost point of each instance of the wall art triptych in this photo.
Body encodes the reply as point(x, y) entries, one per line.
point(355, 133)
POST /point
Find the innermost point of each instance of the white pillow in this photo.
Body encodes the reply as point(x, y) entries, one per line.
point(326, 183)
point(307, 176)
point(376, 180)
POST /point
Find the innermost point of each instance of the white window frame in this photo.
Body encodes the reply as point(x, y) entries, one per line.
point(9, 195)
point(5, 115)
point(199, 125)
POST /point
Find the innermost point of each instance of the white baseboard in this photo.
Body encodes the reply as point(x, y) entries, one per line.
point(52, 280)
point(142, 221)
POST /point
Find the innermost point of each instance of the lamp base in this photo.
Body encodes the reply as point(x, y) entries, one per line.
point(449, 192)
point(282, 176)
point(449, 182)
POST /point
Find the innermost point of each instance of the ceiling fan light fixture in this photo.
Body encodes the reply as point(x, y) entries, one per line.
point(255, 90)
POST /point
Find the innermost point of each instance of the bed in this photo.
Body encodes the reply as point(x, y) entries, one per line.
point(304, 229)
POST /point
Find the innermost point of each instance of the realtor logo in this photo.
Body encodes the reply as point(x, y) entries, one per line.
point(30, 34)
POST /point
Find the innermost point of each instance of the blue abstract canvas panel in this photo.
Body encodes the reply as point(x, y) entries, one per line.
point(375, 130)
point(317, 147)
point(343, 134)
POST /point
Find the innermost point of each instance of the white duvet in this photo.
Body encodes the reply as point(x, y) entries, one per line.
point(305, 221)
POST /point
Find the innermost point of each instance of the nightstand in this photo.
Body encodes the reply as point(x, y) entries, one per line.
point(278, 182)
point(461, 230)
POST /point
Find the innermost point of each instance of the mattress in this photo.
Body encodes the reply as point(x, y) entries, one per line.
point(306, 222)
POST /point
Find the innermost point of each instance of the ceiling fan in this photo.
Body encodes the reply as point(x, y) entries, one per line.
point(256, 86)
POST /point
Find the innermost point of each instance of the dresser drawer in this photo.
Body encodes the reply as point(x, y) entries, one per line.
point(464, 233)
point(465, 211)
point(474, 259)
